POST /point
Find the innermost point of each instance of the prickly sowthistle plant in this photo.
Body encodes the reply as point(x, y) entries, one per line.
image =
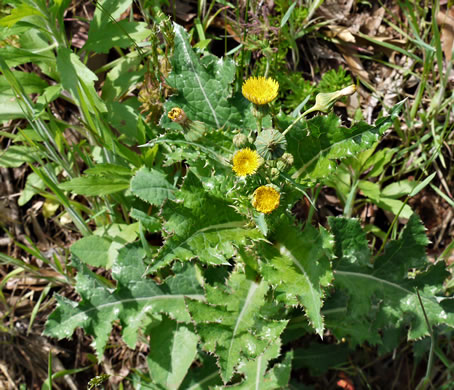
point(236, 266)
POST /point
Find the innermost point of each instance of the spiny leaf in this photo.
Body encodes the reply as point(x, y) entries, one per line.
point(152, 186)
point(384, 295)
point(318, 142)
point(202, 226)
point(298, 265)
point(134, 301)
point(203, 88)
point(217, 146)
point(255, 371)
point(353, 247)
point(231, 324)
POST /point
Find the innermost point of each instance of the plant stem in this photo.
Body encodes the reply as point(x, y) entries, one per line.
point(348, 210)
point(295, 122)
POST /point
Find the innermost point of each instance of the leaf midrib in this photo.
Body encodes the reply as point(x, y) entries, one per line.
point(252, 289)
point(283, 250)
point(124, 301)
point(378, 280)
point(235, 225)
point(316, 157)
point(189, 59)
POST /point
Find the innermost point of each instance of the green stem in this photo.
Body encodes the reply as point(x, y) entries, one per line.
point(391, 227)
point(295, 122)
point(258, 114)
point(259, 124)
point(312, 209)
point(348, 210)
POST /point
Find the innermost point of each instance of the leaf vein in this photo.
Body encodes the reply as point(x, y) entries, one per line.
point(188, 57)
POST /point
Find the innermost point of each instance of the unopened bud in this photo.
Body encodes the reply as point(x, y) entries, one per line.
point(240, 140)
point(274, 173)
point(177, 115)
point(325, 101)
point(287, 159)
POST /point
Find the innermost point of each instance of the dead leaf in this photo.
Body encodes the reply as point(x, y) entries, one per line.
point(373, 22)
point(337, 10)
point(446, 21)
point(340, 32)
point(183, 11)
point(353, 62)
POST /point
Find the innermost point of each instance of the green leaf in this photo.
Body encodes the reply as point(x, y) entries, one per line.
point(422, 185)
point(16, 155)
point(78, 80)
point(94, 185)
point(135, 301)
point(203, 225)
point(152, 186)
point(383, 295)
point(33, 185)
point(173, 347)
point(257, 376)
point(18, 30)
point(119, 232)
point(124, 117)
point(319, 358)
point(204, 376)
point(231, 324)
point(378, 161)
point(17, 14)
point(10, 106)
point(395, 206)
point(352, 247)
point(49, 95)
point(15, 56)
point(298, 266)
point(111, 170)
point(203, 88)
point(92, 250)
point(216, 146)
point(316, 144)
point(412, 244)
point(105, 32)
point(122, 76)
point(121, 34)
point(398, 189)
point(373, 192)
point(152, 224)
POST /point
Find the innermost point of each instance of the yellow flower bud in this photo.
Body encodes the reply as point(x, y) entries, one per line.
point(177, 115)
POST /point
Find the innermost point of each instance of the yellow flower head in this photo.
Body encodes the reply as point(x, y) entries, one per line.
point(266, 199)
point(260, 90)
point(245, 162)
